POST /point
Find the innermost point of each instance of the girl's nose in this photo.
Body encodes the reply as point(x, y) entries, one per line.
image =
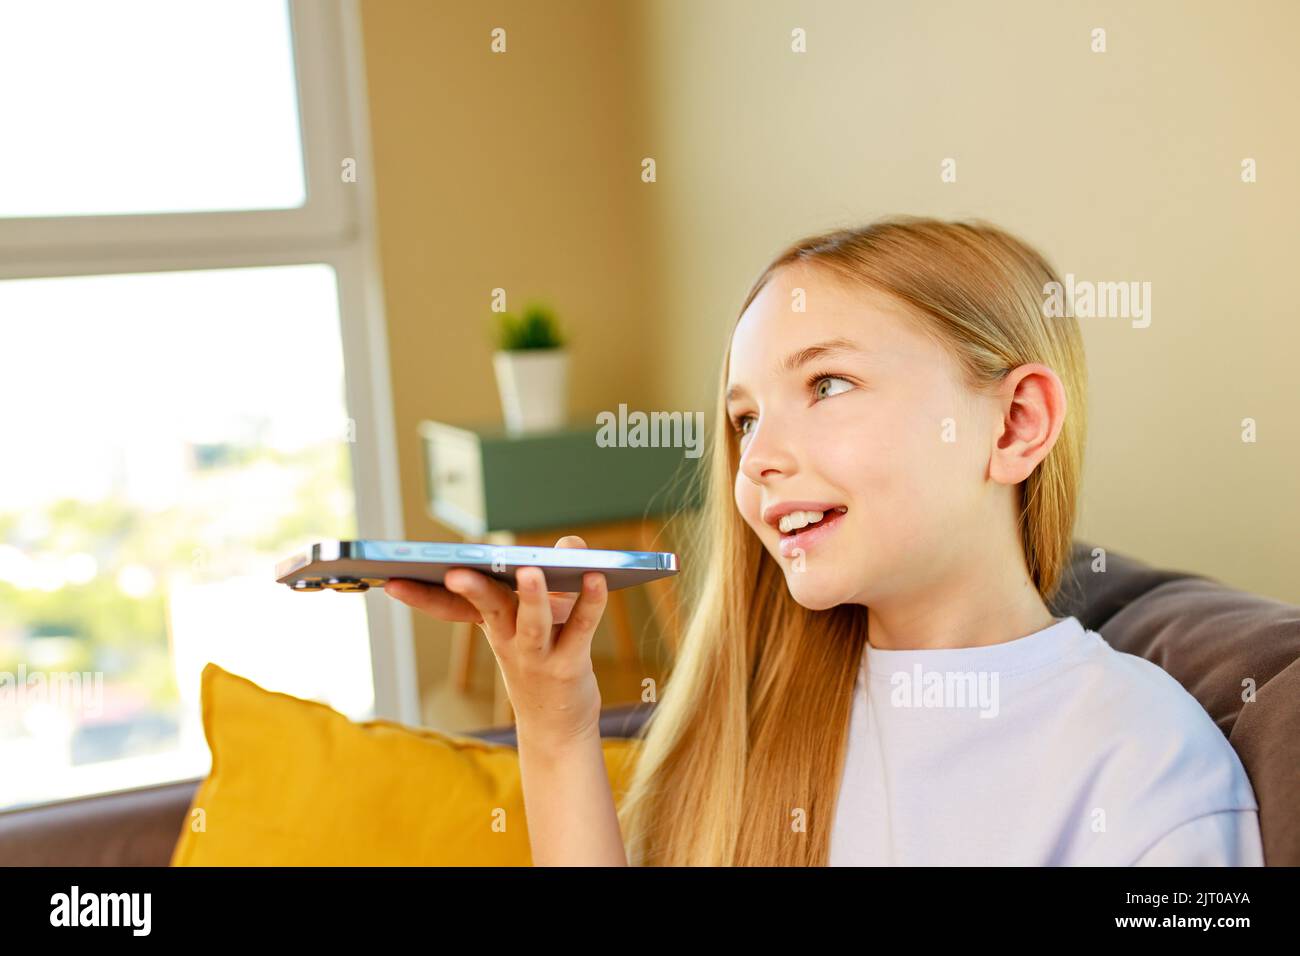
point(766, 455)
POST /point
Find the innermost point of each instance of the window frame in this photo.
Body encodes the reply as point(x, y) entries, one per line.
point(335, 226)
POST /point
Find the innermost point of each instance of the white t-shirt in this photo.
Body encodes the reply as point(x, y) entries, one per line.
point(1087, 756)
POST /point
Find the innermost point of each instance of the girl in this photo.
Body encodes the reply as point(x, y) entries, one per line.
point(871, 674)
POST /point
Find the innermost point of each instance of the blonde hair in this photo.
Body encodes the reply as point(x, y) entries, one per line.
point(741, 760)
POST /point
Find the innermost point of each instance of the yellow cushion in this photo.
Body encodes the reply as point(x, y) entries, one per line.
point(295, 783)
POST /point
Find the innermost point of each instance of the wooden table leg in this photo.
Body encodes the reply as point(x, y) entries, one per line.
point(620, 621)
point(463, 638)
point(662, 593)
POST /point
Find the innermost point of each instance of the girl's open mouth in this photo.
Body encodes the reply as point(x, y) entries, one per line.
point(801, 539)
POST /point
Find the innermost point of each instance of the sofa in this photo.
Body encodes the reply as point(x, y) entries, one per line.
point(1208, 636)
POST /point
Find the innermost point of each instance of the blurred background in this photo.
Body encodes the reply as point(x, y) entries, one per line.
point(253, 256)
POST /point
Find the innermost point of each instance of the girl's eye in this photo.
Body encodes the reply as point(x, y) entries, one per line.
point(738, 424)
point(816, 384)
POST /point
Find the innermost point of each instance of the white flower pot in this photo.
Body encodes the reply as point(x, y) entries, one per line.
point(534, 388)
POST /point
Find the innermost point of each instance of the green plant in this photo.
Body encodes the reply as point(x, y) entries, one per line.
point(536, 328)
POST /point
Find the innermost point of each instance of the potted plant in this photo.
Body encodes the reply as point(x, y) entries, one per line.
point(532, 370)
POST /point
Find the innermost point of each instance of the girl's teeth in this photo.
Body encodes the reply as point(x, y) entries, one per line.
point(799, 519)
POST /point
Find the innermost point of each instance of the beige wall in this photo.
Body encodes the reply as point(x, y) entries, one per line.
point(522, 171)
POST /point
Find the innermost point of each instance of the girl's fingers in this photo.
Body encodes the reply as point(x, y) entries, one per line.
point(432, 599)
point(534, 614)
point(561, 605)
point(562, 601)
point(577, 632)
point(533, 627)
point(492, 599)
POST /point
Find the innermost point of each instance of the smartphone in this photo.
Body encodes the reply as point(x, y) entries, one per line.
point(358, 565)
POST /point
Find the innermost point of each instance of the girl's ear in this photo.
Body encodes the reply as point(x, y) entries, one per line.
point(1032, 403)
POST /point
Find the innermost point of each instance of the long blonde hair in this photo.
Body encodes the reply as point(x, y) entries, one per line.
point(741, 759)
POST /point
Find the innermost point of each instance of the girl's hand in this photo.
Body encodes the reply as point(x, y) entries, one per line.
point(541, 640)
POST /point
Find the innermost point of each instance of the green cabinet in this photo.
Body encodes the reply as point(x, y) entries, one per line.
point(481, 480)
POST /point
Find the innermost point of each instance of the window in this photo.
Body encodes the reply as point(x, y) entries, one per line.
point(148, 106)
point(191, 382)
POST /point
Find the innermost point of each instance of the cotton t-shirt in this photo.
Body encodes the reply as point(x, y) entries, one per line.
point(1047, 750)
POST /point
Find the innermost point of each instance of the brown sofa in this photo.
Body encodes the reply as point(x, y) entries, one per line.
point(1208, 636)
